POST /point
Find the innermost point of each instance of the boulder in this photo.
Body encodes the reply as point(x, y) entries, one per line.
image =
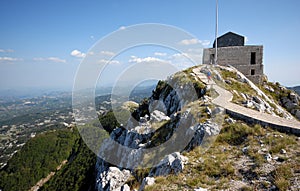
point(268, 157)
point(268, 88)
point(283, 151)
point(113, 179)
point(294, 97)
point(200, 131)
point(260, 107)
point(288, 103)
point(297, 114)
point(124, 188)
point(228, 82)
point(258, 100)
point(245, 150)
point(171, 163)
point(248, 103)
point(158, 116)
point(230, 120)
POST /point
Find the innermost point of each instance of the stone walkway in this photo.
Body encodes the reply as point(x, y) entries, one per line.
point(224, 100)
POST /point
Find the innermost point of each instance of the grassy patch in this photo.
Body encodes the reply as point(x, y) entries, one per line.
point(279, 141)
point(278, 92)
point(237, 133)
point(257, 158)
point(236, 85)
point(215, 167)
point(282, 175)
point(228, 74)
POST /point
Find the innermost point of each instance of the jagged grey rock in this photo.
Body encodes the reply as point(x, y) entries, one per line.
point(158, 116)
point(294, 97)
point(288, 103)
point(171, 163)
point(258, 100)
point(113, 179)
point(202, 130)
point(270, 89)
point(125, 188)
point(248, 103)
point(297, 114)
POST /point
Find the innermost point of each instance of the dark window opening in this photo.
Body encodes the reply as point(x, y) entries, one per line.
point(252, 72)
point(212, 58)
point(253, 58)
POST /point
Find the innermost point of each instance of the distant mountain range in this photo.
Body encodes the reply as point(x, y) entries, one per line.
point(296, 89)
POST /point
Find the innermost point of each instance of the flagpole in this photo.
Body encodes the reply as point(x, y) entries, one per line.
point(216, 34)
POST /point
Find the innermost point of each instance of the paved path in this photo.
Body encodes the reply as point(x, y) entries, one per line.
point(224, 100)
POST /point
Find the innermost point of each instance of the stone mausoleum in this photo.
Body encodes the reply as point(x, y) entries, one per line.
point(232, 50)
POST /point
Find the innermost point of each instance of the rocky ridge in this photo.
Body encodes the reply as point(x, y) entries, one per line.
point(162, 113)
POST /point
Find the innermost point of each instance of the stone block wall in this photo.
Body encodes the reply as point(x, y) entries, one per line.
point(240, 58)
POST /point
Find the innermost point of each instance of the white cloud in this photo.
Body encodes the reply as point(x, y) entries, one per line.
point(51, 59)
point(55, 59)
point(246, 39)
point(189, 41)
point(6, 50)
point(160, 54)
point(107, 53)
point(205, 42)
point(104, 61)
point(9, 59)
point(122, 28)
point(149, 59)
point(78, 54)
point(194, 41)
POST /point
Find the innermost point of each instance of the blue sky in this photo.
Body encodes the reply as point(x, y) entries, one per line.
point(42, 42)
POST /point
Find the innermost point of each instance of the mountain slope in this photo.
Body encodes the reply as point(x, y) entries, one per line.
point(216, 168)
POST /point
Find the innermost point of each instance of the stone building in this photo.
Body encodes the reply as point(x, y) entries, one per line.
point(248, 59)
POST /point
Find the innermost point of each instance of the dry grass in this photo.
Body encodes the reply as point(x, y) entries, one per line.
point(282, 175)
point(214, 168)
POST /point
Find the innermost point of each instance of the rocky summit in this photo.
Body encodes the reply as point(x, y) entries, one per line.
point(239, 136)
